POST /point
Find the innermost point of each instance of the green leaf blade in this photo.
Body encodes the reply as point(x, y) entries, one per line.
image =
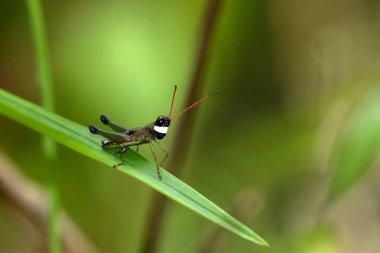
point(358, 145)
point(78, 138)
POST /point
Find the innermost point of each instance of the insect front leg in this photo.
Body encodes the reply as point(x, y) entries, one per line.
point(163, 149)
point(155, 159)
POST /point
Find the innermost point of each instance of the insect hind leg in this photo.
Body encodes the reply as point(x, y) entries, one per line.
point(112, 136)
point(113, 141)
point(106, 121)
point(122, 150)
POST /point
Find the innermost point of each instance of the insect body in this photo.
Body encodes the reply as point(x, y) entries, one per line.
point(122, 138)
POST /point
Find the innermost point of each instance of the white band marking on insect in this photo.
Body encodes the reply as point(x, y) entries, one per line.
point(162, 130)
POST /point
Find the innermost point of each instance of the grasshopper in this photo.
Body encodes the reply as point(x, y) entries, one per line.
point(122, 138)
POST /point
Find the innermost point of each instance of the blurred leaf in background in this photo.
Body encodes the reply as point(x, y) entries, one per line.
point(358, 145)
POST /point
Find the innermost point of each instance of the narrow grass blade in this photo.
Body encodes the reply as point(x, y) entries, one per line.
point(78, 138)
point(45, 81)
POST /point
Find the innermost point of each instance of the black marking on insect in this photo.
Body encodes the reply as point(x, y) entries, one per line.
point(121, 138)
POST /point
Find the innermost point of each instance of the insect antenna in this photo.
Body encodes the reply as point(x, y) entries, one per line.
point(191, 106)
point(171, 107)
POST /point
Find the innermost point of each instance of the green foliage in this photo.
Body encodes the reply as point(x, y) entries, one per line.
point(42, 59)
point(79, 139)
point(358, 144)
point(319, 239)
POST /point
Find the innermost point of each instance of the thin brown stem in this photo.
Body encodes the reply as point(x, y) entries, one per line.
point(184, 132)
point(29, 201)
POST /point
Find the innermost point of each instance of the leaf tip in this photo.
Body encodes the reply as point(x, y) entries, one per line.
point(265, 243)
point(258, 240)
point(262, 242)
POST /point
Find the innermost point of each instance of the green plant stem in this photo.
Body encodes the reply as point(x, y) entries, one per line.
point(53, 210)
point(45, 81)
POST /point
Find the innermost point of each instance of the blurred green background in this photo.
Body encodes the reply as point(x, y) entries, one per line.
point(290, 146)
